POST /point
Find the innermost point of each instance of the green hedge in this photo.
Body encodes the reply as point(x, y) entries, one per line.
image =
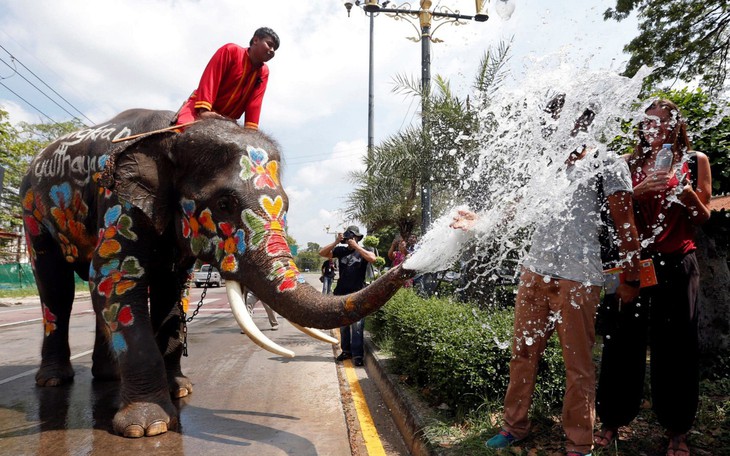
point(457, 353)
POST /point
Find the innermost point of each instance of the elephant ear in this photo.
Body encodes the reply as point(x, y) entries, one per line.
point(142, 174)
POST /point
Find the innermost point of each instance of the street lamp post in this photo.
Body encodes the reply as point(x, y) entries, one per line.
point(425, 16)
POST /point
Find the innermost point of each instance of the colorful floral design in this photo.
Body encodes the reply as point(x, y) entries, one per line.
point(185, 303)
point(192, 225)
point(273, 228)
point(70, 207)
point(116, 317)
point(257, 165)
point(96, 176)
point(287, 273)
point(116, 280)
point(234, 242)
point(115, 223)
point(33, 209)
point(68, 248)
point(49, 320)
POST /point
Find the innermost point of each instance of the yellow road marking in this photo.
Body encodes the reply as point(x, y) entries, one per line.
point(367, 426)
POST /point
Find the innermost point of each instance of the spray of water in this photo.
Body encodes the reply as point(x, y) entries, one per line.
point(523, 149)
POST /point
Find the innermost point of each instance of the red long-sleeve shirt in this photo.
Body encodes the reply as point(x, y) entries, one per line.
point(230, 86)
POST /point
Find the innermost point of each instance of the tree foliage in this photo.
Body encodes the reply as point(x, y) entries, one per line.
point(691, 39)
point(707, 127)
point(18, 145)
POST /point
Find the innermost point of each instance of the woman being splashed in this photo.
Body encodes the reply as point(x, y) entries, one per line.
point(560, 287)
point(668, 204)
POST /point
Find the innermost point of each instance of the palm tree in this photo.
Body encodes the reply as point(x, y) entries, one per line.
point(387, 193)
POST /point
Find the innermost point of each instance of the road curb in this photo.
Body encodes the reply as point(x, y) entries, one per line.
point(406, 413)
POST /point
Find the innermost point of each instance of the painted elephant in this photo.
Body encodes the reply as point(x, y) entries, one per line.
point(132, 217)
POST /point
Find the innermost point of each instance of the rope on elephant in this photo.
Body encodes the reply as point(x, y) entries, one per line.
point(106, 179)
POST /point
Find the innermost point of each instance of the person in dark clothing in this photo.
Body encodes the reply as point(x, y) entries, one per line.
point(328, 275)
point(668, 205)
point(353, 260)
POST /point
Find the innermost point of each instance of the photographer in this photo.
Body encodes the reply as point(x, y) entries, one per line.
point(353, 260)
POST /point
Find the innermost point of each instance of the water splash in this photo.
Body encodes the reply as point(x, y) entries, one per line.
point(517, 175)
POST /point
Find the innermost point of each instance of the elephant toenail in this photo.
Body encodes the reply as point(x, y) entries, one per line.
point(134, 431)
point(158, 427)
point(181, 392)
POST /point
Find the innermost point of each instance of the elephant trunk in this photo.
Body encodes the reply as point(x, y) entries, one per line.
point(304, 305)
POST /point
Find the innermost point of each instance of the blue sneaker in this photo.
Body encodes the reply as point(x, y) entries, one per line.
point(502, 440)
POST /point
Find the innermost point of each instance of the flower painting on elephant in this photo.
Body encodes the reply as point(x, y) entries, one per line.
point(256, 165)
point(195, 227)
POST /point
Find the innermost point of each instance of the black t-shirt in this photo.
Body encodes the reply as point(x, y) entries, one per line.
point(352, 270)
point(328, 269)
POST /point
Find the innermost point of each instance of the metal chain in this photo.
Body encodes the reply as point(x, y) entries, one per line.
point(186, 319)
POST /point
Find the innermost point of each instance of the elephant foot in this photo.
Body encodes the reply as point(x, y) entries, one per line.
point(180, 385)
point(141, 419)
point(54, 375)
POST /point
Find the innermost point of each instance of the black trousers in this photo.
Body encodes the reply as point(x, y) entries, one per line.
point(665, 317)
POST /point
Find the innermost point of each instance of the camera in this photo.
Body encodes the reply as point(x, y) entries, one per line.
point(347, 235)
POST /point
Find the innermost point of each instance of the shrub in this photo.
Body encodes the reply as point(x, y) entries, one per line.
point(458, 353)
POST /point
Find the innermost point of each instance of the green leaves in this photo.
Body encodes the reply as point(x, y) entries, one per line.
point(18, 145)
point(458, 354)
point(690, 39)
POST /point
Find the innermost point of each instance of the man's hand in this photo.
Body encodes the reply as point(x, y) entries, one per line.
point(205, 114)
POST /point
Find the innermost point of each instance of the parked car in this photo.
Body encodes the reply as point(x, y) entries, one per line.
point(201, 276)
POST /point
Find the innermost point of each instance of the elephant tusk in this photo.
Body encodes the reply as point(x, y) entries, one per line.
point(238, 307)
point(317, 334)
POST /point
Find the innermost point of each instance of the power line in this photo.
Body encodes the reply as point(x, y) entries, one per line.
point(37, 88)
point(298, 161)
point(320, 154)
point(28, 103)
point(45, 84)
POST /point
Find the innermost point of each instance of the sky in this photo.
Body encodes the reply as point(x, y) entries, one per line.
point(96, 58)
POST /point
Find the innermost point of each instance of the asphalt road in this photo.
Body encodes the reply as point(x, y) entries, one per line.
point(245, 400)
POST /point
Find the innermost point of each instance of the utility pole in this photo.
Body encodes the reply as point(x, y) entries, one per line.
point(425, 16)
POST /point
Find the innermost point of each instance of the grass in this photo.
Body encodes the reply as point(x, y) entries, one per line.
point(710, 435)
point(33, 291)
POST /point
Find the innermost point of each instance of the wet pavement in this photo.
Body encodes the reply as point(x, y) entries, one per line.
point(245, 400)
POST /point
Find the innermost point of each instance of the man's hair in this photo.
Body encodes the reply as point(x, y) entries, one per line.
point(264, 32)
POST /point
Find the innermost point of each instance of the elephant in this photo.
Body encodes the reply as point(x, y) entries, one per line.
point(132, 217)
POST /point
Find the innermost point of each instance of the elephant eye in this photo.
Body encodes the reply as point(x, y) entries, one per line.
point(226, 204)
